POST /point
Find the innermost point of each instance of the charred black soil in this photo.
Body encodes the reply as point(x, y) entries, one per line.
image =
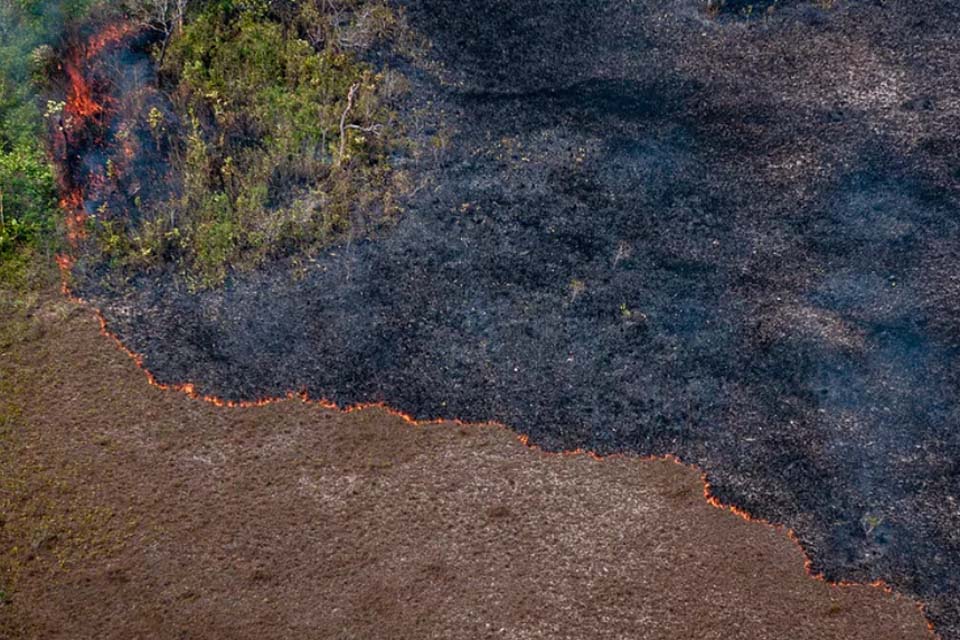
point(730, 239)
point(130, 512)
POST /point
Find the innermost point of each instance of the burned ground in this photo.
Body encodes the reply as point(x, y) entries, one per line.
point(654, 232)
point(131, 512)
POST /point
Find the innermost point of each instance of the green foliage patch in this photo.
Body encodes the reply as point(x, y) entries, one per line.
point(28, 203)
point(282, 143)
point(285, 137)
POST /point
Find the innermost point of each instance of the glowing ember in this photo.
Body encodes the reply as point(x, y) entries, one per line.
point(129, 149)
point(190, 390)
point(82, 105)
point(65, 263)
point(111, 34)
point(76, 217)
point(80, 101)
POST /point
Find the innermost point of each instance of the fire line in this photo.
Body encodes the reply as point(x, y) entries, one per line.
point(83, 106)
point(190, 390)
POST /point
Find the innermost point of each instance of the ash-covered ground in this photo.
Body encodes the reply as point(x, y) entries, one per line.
point(733, 238)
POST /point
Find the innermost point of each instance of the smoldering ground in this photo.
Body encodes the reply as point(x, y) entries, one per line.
point(732, 238)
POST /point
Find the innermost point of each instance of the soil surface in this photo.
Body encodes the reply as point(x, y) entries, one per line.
point(729, 237)
point(137, 512)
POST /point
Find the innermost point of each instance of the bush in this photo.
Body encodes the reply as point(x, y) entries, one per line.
point(28, 203)
point(270, 164)
point(27, 197)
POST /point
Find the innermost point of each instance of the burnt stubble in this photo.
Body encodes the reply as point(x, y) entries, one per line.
point(730, 238)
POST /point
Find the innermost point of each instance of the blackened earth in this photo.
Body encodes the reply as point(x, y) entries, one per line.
point(733, 239)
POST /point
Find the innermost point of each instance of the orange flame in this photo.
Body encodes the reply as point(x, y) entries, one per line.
point(80, 103)
point(76, 217)
point(190, 390)
point(111, 34)
point(65, 263)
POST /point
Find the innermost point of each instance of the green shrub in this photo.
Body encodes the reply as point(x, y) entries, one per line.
point(27, 197)
point(263, 171)
point(28, 203)
point(215, 243)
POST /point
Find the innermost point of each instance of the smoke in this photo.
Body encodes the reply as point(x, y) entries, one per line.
point(29, 34)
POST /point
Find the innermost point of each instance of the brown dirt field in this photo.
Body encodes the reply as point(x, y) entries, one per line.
point(131, 512)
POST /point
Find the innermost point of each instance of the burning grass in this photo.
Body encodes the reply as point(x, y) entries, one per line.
point(593, 286)
point(276, 140)
point(27, 186)
point(714, 307)
point(131, 482)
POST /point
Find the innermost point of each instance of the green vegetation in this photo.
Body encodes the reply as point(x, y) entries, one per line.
point(281, 135)
point(283, 141)
point(27, 188)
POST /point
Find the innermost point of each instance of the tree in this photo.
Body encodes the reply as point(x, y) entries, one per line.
point(165, 16)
